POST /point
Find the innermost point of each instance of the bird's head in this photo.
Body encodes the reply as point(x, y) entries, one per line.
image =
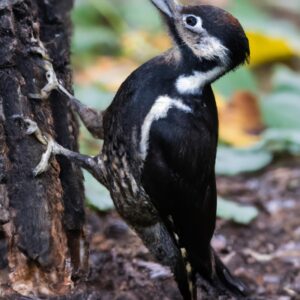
point(211, 33)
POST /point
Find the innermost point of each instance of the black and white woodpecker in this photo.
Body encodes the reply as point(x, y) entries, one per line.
point(160, 139)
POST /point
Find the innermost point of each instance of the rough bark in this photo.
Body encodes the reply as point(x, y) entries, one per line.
point(41, 219)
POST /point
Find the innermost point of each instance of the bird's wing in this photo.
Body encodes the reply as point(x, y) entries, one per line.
point(178, 176)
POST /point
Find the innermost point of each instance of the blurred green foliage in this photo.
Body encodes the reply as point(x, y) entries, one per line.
point(100, 24)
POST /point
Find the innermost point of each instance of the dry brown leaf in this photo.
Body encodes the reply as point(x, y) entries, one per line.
point(107, 71)
point(240, 120)
point(269, 257)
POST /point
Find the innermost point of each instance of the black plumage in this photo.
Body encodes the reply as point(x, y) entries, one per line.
point(177, 175)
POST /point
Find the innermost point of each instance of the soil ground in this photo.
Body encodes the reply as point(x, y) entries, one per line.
point(264, 254)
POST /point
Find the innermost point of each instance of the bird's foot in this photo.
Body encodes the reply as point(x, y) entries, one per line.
point(91, 118)
point(92, 164)
point(51, 85)
point(39, 49)
point(33, 129)
point(52, 81)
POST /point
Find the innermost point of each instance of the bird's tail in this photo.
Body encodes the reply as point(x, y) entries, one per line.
point(223, 280)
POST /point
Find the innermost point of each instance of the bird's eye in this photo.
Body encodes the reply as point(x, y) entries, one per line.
point(191, 21)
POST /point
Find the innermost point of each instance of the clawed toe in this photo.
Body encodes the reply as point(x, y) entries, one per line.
point(52, 83)
point(33, 129)
point(43, 165)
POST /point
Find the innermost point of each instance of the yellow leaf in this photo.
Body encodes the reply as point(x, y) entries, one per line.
point(221, 102)
point(265, 49)
point(240, 120)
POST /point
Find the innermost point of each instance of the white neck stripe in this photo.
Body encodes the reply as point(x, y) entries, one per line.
point(158, 111)
point(193, 84)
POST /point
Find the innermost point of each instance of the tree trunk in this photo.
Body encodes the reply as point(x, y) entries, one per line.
point(41, 219)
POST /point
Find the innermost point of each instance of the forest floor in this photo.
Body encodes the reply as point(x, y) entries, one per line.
point(264, 254)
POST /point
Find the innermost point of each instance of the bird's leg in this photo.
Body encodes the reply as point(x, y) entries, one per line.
point(92, 164)
point(92, 119)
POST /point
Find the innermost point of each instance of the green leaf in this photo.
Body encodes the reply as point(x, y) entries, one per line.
point(281, 141)
point(281, 110)
point(84, 15)
point(292, 6)
point(241, 79)
point(93, 96)
point(232, 211)
point(98, 12)
point(232, 161)
point(96, 194)
point(110, 12)
point(248, 13)
point(285, 80)
point(140, 14)
point(93, 38)
point(119, 15)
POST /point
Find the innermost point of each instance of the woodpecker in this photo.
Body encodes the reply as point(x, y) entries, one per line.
point(160, 139)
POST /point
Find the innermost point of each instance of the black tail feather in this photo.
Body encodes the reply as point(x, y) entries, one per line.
point(224, 280)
